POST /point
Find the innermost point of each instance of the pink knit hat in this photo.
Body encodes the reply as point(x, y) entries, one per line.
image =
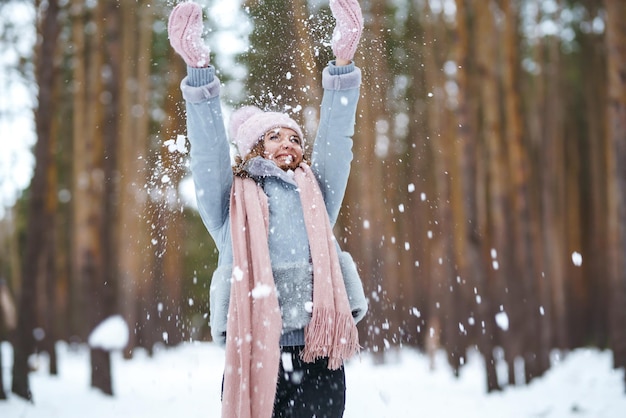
point(249, 123)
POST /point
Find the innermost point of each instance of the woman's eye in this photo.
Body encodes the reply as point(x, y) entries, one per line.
point(295, 140)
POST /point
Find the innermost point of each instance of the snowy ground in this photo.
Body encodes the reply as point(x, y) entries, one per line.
point(185, 382)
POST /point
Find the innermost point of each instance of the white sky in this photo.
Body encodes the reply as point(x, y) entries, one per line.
point(16, 103)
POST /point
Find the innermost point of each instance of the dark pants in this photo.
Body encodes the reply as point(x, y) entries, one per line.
point(307, 390)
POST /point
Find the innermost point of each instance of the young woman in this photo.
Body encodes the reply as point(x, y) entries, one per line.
point(284, 298)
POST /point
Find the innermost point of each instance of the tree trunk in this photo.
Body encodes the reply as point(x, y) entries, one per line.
point(471, 261)
point(168, 215)
point(499, 274)
point(48, 297)
point(80, 177)
point(553, 197)
point(616, 131)
point(389, 158)
point(368, 207)
point(594, 294)
point(413, 184)
point(445, 300)
point(536, 349)
point(90, 255)
point(132, 235)
point(39, 219)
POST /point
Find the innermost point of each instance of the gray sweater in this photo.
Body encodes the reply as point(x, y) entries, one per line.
point(288, 242)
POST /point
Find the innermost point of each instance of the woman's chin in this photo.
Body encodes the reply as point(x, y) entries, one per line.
point(286, 164)
point(287, 167)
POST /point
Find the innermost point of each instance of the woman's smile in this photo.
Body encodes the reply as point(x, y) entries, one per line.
point(284, 147)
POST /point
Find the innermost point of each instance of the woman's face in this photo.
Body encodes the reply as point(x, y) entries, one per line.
point(284, 147)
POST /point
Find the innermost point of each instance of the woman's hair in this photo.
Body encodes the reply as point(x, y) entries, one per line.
point(257, 151)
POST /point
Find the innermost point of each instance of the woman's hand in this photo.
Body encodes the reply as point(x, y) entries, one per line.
point(184, 29)
point(348, 29)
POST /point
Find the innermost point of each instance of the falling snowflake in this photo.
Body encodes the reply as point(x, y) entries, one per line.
point(261, 291)
point(502, 319)
point(237, 274)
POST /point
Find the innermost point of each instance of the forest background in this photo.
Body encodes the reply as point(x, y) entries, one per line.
point(486, 206)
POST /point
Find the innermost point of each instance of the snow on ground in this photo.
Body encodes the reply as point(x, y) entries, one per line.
point(185, 382)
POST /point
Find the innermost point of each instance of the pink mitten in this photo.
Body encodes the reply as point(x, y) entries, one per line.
point(348, 28)
point(184, 29)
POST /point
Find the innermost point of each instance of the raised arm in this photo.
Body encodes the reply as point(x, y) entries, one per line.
point(210, 151)
point(332, 151)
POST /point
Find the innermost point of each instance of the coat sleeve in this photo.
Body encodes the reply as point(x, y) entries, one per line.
point(332, 151)
point(210, 152)
point(354, 286)
point(212, 175)
point(332, 156)
point(219, 299)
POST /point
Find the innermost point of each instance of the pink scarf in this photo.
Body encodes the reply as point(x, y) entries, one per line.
point(254, 321)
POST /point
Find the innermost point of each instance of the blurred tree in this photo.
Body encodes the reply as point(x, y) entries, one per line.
point(132, 58)
point(168, 217)
point(426, 329)
point(589, 322)
point(93, 143)
point(8, 321)
point(495, 177)
point(40, 224)
point(616, 133)
point(445, 304)
point(472, 266)
point(526, 315)
point(365, 203)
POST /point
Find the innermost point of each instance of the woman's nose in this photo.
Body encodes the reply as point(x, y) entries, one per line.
point(286, 142)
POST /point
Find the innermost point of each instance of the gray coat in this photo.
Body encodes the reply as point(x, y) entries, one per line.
point(288, 242)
